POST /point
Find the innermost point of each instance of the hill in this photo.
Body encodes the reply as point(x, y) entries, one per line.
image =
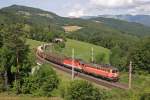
point(83, 50)
point(80, 48)
point(124, 26)
point(51, 22)
point(143, 19)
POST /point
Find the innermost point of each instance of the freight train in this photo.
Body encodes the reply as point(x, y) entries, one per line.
point(103, 71)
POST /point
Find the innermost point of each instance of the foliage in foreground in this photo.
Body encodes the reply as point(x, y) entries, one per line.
point(141, 55)
point(41, 83)
point(14, 59)
point(145, 96)
point(83, 90)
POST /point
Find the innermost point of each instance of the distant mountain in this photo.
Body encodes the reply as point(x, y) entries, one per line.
point(31, 15)
point(34, 16)
point(88, 17)
point(28, 11)
point(124, 26)
point(143, 19)
point(46, 20)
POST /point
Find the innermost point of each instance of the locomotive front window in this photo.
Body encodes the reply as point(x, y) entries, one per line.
point(114, 71)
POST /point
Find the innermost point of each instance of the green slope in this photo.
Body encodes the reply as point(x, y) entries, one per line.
point(33, 43)
point(83, 50)
point(125, 27)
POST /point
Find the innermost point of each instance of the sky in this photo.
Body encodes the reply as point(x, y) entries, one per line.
point(78, 8)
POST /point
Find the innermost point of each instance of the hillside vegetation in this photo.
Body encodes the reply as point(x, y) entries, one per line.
point(124, 26)
point(143, 19)
point(83, 50)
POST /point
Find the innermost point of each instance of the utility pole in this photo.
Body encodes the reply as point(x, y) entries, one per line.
point(92, 58)
point(72, 63)
point(130, 74)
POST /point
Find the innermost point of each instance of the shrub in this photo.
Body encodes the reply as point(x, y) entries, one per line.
point(101, 58)
point(41, 83)
point(145, 96)
point(83, 90)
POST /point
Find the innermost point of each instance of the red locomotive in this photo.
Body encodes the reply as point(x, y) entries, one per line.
point(104, 71)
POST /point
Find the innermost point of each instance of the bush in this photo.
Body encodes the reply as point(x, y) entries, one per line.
point(62, 90)
point(59, 46)
point(100, 59)
point(145, 96)
point(83, 90)
point(140, 56)
point(118, 58)
point(41, 83)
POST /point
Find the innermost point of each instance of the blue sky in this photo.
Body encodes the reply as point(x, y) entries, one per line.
point(79, 8)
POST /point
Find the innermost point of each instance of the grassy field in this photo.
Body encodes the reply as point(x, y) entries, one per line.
point(33, 43)
point(83, 50)
point(6, 96)
point(71, 28)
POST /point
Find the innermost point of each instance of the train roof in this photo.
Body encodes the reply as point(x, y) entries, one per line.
point(106, 66)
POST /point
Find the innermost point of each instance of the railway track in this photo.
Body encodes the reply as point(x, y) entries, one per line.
point(85, 76)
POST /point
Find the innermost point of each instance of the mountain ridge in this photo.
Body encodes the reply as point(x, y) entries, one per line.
point(142, 19)
point(49, 21)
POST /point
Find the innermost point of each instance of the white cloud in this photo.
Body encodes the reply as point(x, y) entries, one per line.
point(121, 6)
point(143, 9)
point(77, 11)
point(115, 7)
point(112, 3)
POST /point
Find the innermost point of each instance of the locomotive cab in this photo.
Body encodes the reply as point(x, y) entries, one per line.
point(115, 74)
